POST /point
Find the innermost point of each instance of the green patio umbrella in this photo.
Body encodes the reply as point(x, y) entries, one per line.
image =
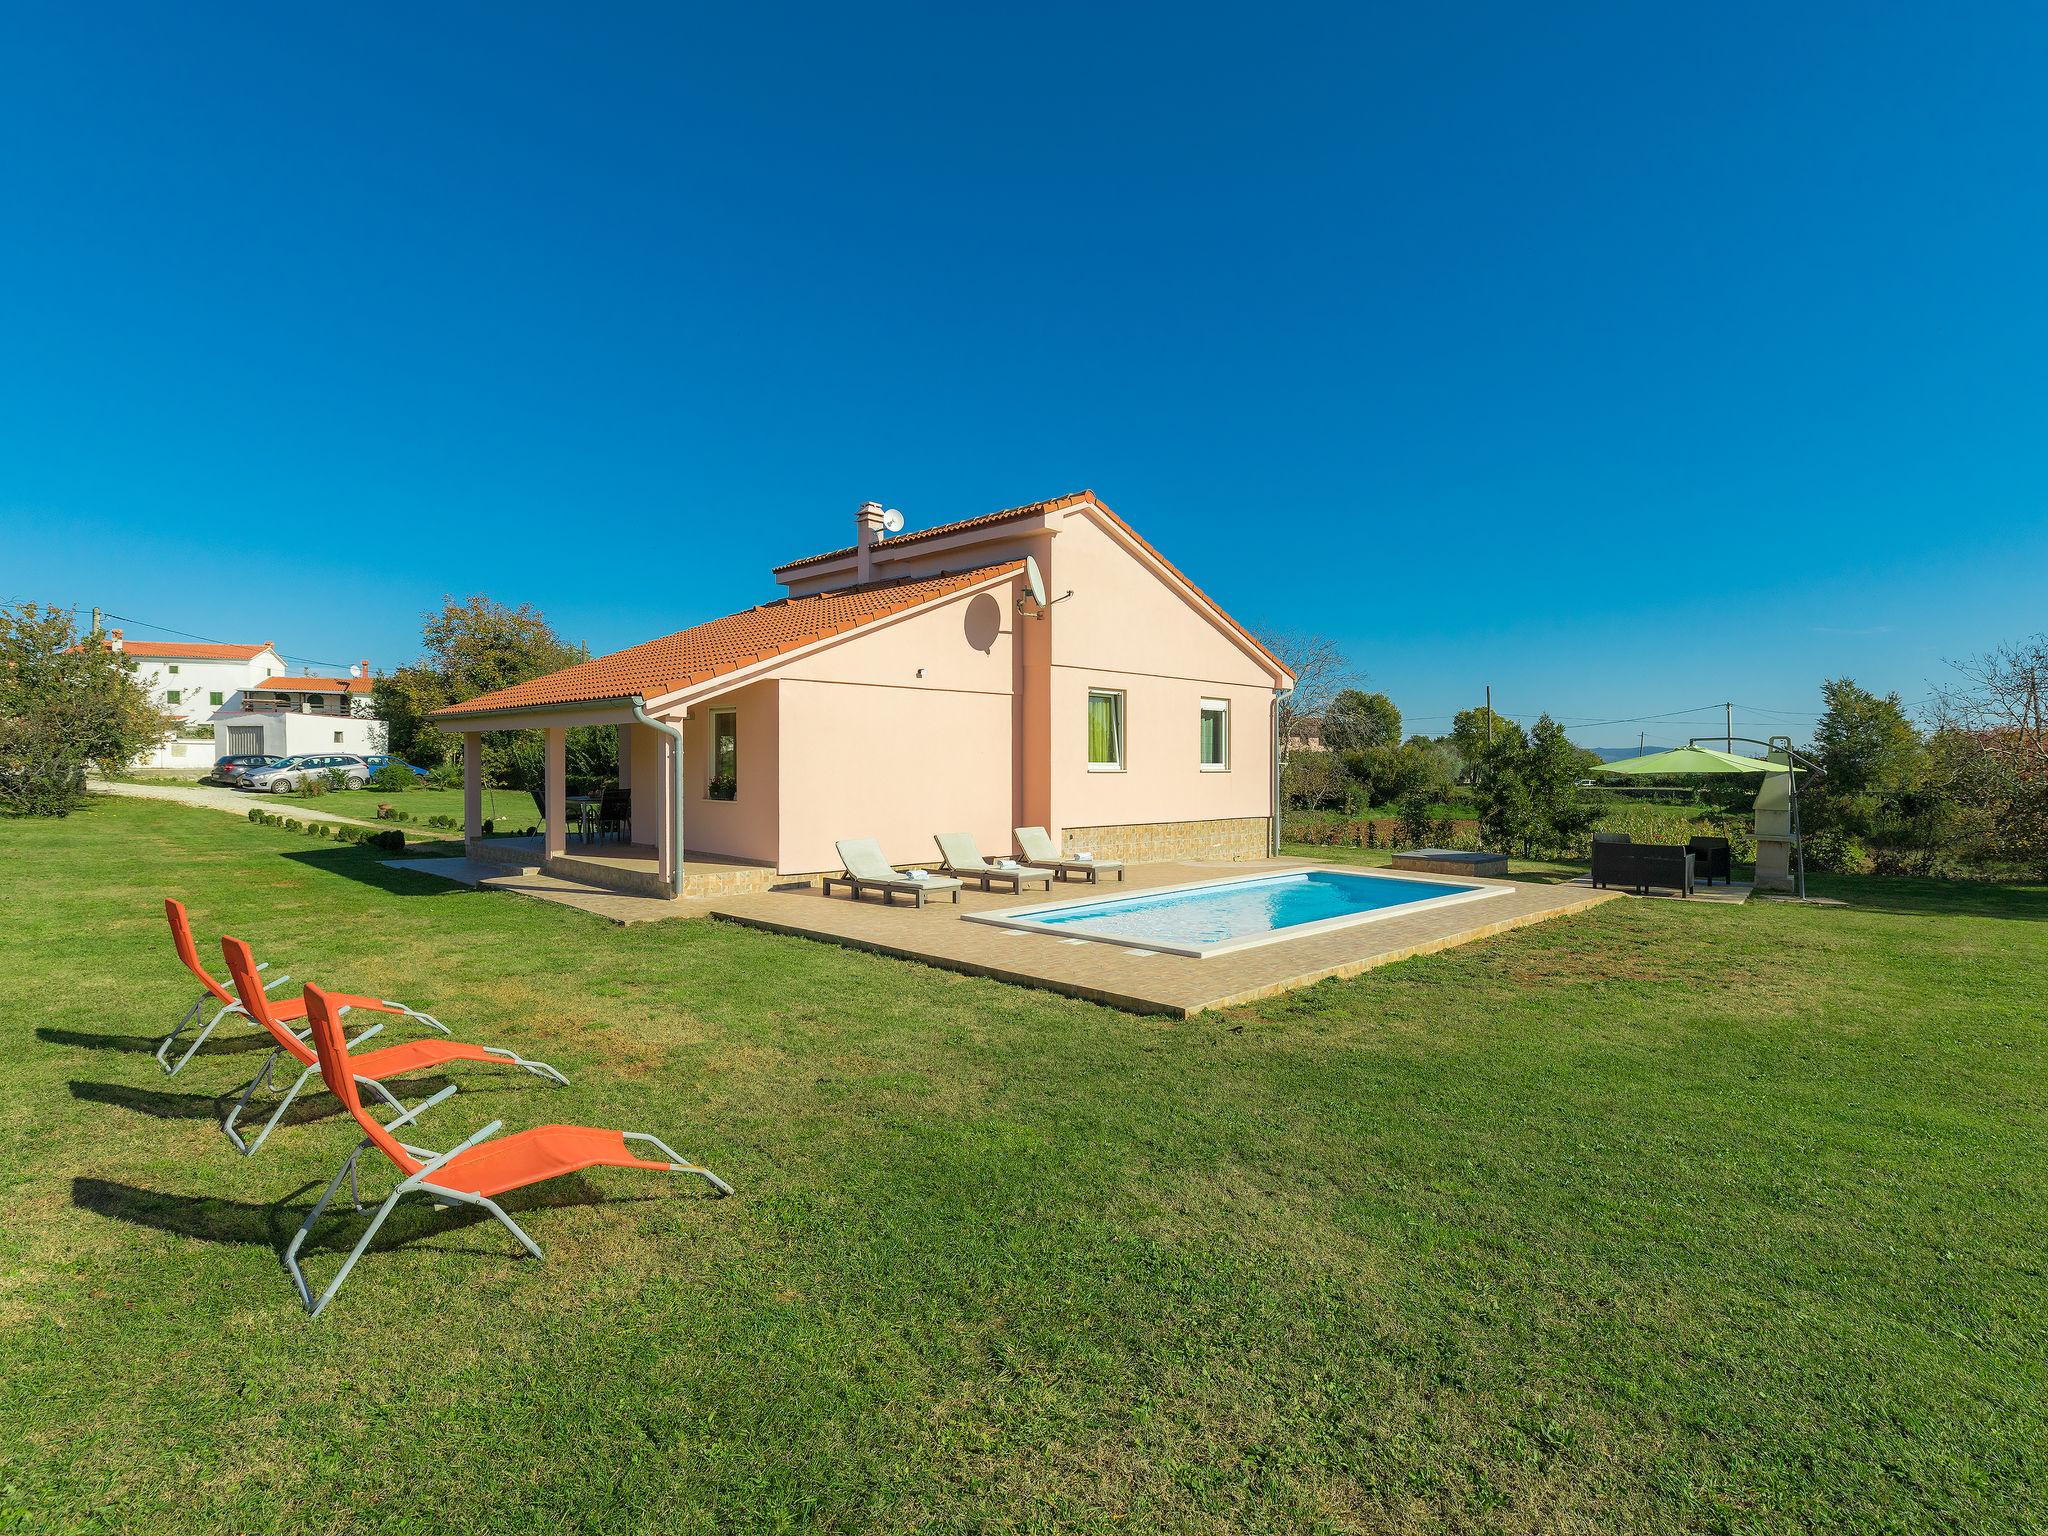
point(1693, 760)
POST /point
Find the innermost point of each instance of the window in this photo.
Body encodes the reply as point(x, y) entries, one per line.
point(1215, 735)
point(337, 738)
point(1105, 731)
point(171, 695)
point(216, 697)
point(725, 756)
point(172, 669)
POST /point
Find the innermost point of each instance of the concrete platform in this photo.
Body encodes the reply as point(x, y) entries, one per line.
point(1145, 981)
point(1734, 893)
point(1451, 861)
point(613, 906)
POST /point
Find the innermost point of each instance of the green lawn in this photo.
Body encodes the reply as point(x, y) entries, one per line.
point(1664, 1217)
point(514, 807)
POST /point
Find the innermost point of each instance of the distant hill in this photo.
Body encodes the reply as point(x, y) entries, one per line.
point(1616, 754)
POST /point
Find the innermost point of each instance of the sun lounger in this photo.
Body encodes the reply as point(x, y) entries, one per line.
point(287, 1011)
point(867, 870)
point(961, 857)
point(472, 1172)
point(1039, 848)
point(371, 1068)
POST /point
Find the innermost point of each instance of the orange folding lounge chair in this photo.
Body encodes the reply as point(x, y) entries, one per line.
point(285, 1010)
point(472, 1172)
point(372, 1068)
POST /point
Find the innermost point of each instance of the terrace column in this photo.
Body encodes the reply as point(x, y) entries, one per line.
point(626, 756)
point(472, 785)
point(554, 815)
point(671, 811)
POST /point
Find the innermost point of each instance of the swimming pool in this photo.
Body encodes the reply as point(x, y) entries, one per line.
point(1215, 917)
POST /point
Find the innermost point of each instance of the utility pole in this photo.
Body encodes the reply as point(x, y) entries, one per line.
point(1489, 714)
point(1642, 742)
point(95, 621)
point(1728, 719)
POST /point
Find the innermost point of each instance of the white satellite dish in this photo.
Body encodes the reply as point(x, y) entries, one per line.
point(892, 521)
point(1035, 579)
point(354, 670)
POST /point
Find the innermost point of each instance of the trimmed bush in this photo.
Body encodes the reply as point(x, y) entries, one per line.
point(394, 780)
point(256, 814)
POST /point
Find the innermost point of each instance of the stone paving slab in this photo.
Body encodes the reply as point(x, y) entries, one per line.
point(1732, 893)
point(1143, 981)
point(613, 906)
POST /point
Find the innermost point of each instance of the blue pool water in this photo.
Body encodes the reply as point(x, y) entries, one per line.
point(1237, 910)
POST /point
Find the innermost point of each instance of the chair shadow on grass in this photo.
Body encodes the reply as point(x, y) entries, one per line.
point(271, 1224)
point(145, 1045)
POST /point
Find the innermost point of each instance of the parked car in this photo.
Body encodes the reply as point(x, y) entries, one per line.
point(379, 760)
point(231, 770)
point(285, 777)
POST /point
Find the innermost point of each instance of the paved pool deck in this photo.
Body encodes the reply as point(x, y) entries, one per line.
point(1140, 981)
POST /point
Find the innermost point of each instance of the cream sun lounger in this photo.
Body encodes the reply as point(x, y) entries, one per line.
point(867, 870)
point(963, 858)
point(1039, 848)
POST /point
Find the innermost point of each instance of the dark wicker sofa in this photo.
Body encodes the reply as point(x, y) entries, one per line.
point(1642, 865)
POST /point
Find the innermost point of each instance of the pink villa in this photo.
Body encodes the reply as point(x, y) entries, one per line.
point(1041, 666)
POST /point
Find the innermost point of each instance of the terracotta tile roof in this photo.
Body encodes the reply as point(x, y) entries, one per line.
point(1035, 509)
point(192, 650)
point(313, 685)
point(719, 646)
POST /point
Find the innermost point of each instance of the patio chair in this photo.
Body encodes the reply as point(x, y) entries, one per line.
point(1643, 865)
point(390, 1061)
point(470, 1173)
point(867, 870)
point(1039, 848)
point(1711, 859)
point(615, 814)
point(961, 857)
point(286, 1010)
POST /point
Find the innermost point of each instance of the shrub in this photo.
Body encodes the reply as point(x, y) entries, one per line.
point(439, 820)
point(392, 841)
point(1416, 821)
point(313, 785)
point(337, 778)
point(256, 813)
point(1834, 852)
point(445, 775)
point(393, 780)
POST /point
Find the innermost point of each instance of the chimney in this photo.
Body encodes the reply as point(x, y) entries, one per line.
point(116, 634)
point(867, 534)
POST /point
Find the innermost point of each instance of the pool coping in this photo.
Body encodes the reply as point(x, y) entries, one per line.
point(1030, 919)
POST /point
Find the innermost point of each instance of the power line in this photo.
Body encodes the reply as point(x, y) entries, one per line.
point(183, 634)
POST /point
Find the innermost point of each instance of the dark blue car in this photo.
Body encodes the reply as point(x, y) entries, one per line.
point(379, 760)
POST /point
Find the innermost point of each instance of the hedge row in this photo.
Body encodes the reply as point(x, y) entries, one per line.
point(1371, 832)
point(340, 831)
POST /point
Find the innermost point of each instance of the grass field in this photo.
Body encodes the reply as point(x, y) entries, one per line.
point(512, 806)
point(1659, 1218)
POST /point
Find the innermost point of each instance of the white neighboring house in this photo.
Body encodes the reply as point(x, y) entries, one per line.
point(232, 699)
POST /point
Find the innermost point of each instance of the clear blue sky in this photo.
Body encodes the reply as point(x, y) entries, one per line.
point(1625, 357)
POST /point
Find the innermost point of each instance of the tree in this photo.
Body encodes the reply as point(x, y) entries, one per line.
point(65, 705)
point(1321, 671)
point(1473, 730)
point(1873, 761)
point(1992, 744)
point(471, 648)
point(1528, 789)
point(1356, 721)
point(1312, 781)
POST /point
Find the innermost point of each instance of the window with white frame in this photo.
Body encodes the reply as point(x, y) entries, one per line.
point(1215, 735)
point(1105, 730)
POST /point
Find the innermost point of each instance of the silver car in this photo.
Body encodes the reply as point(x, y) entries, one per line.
point(285, 778)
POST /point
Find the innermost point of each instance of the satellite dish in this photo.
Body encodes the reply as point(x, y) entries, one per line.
point(892, 521)
point(354, 670)
point(1035, 579)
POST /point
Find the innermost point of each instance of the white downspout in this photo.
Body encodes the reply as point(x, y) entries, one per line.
point(674, 733)
point(1273, 805)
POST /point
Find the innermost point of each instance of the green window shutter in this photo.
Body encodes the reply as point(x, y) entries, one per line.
point(1212, 736)
point(215, 697)
point(1105, 728)
point(172, 696)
